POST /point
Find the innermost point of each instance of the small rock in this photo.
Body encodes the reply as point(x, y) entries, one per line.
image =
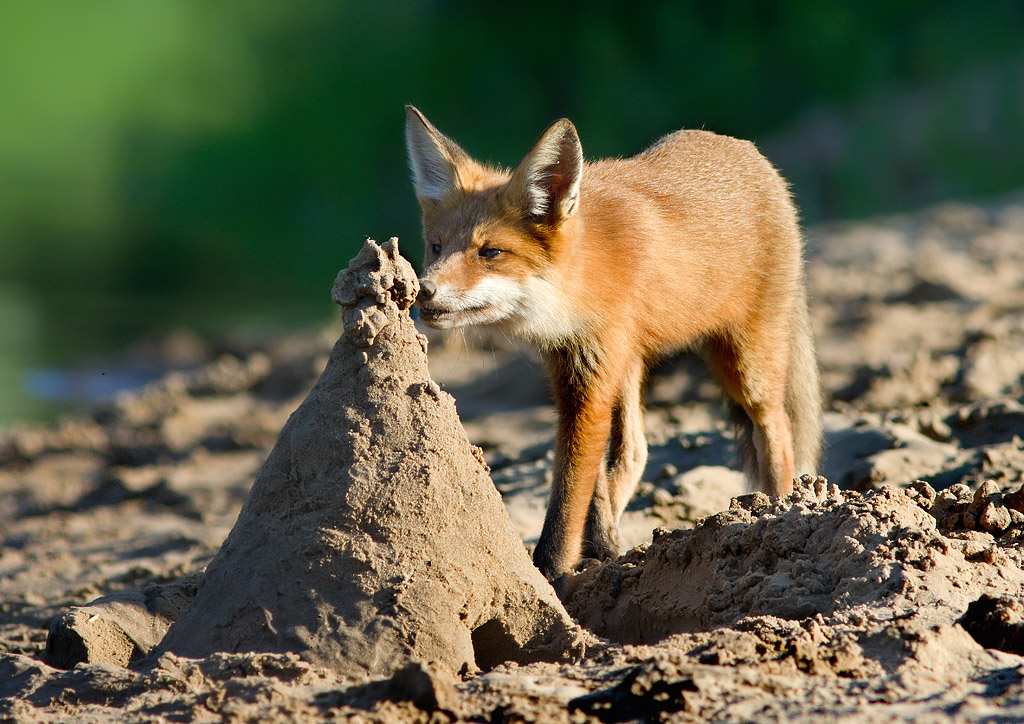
point(754, 502)
point(975, 549)
point(79, 635)
point(926, 491)
point(947, 499)
point(994, 518)
point(995, 557)
point(667, 470)
point(986, 491)
point(816, 484)
point(960, 493)
point(660, 532)
point(949, 522)
point(1015, 500)
point(120, 627)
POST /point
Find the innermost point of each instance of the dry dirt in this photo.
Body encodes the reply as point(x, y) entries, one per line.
point(889, 590)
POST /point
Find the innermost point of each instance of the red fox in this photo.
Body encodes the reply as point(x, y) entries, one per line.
point(606, 266)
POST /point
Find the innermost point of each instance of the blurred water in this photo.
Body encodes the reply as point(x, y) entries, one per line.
point(66, 355)
point(19, 327)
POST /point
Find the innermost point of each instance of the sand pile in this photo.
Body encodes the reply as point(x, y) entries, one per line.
point(373, 535)
point(364, 543)
point(372, 541)
point(820, 551)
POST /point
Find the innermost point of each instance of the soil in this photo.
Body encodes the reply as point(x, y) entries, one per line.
point(889, 589)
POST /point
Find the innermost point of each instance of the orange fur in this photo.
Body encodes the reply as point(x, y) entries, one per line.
point(608, 265)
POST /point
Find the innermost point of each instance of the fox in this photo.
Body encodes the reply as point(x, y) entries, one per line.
point(606, 267)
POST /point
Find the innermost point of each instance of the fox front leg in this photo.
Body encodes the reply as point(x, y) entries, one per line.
point(585, 398)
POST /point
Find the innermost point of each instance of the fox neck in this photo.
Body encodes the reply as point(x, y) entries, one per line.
point(546, 316)
point(550, 315)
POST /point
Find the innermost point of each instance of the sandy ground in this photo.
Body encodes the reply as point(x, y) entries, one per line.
point(839, 603)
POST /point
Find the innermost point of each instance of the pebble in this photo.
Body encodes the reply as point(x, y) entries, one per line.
point(1015, 500)
point(960, 493)
point(754, 502)
point(987, 489)
point(994, 518)
point(927, 491)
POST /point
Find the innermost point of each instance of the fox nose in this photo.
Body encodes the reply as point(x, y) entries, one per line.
point(427, 290)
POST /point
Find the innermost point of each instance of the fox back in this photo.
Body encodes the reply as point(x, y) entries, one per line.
point(645, 248)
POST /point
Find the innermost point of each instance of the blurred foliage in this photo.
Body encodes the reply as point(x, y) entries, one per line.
point(192, 162)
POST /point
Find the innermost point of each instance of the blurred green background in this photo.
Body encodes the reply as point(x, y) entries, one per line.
point(171, 164)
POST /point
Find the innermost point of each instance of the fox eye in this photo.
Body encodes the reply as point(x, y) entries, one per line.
point(489, 253)
point(435, 248)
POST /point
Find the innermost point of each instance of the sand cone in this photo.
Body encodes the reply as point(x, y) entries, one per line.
point(373, 534)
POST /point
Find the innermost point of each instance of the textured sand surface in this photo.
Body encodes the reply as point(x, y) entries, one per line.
point(843, 602)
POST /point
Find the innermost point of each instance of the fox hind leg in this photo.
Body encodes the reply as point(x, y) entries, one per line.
point(600, 538)
point(773, 440)
point(624, 466)
point(754, 378)
point(628, 450)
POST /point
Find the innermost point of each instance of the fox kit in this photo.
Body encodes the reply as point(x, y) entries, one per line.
point(606, 266)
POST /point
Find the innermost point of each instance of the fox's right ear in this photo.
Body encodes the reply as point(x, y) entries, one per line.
point(434, 158)
point(547, 182)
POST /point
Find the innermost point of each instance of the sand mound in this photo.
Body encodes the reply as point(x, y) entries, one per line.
point(820, 551)
point(373, 534)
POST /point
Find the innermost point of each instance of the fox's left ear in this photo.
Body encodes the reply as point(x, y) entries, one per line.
point(547, 182)
point(434, 159)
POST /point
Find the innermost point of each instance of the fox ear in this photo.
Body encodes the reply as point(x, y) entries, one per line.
point(434, 158)
point(548, 179)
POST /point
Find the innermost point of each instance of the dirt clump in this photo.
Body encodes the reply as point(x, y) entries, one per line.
point(118, 628)
point(996, 622)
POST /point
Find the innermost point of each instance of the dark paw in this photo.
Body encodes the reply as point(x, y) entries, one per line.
point(601, 550)
point(600, 541)
point(545, 559)
point(600, 538)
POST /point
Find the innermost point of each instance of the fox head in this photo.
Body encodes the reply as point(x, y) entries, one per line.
point(493, 237)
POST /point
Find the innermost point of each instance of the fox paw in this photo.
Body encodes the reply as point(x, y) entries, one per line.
point(600, 546)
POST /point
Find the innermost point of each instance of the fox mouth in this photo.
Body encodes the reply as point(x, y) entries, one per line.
point(441, 318)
